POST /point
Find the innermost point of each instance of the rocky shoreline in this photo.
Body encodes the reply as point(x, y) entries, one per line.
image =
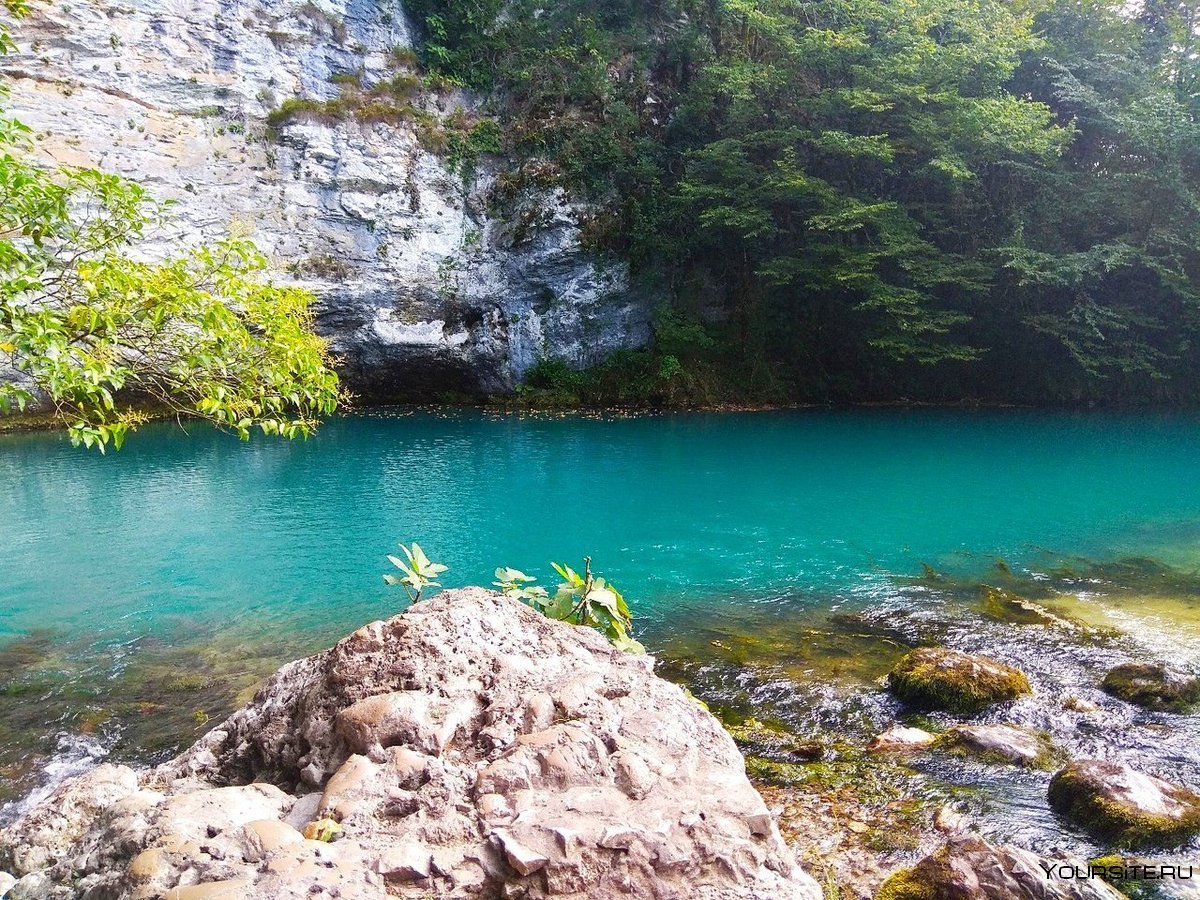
point(472, 748)
point(468, 748)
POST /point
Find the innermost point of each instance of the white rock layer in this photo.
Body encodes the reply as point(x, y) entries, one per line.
point(419, 288)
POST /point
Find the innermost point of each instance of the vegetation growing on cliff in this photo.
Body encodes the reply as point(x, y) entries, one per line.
point(96, 332)
point(865, 199)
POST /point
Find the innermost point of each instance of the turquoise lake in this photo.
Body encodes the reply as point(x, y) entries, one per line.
point(775, 561)
point(201, 532)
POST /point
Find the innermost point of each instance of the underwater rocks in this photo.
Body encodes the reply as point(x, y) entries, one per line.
point(1003, 743)
point(1005, 606)
point(945, 679)
point(470, 747)
point(969, 868)
point(1116, 803)
point(1153, 685)
point(900, 738)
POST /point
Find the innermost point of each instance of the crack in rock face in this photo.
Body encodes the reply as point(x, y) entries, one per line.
point(468, 748)
point(422, 284)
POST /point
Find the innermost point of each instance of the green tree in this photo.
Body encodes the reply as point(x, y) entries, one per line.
point(1106, 260)
point(98, 334)
point(847, 183)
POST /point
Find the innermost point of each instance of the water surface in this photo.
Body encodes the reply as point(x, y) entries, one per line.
point(142, 591)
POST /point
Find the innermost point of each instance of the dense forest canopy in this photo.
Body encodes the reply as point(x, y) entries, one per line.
point(866, 199)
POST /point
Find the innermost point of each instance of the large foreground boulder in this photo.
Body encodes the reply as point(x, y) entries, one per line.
point(469, 748)
point(1116, 803)
point(969, 868)
point(945, 679)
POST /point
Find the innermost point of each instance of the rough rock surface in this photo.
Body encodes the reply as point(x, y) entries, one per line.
point(1000, 742)
point(1154, 686)
point(468, 748)
point(900, 738)
point(421, 287)
point(969, 868)
point(1116, 803)
point(941, 678)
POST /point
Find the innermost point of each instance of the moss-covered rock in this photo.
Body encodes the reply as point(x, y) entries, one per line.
point(1125, 873)
point(1005, 606)
point(907, 884)
point(969, 868)
point(1001, 744)
point(1153, 685)
point(940, 678)
point(1113, 802)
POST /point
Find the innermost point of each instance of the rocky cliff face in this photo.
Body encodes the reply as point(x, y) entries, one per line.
point(469, 748)
point(421, 288)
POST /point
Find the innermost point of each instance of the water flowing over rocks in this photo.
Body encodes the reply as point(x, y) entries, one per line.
point(1115, 802)
point(969, 868)
point(423, 283)
point(468, 748)
point(1004, 743)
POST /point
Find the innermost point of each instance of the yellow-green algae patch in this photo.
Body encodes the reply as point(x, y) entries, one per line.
point(907, 884)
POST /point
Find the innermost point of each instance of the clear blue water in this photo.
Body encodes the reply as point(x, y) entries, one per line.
point(743, 542)
point(202, 532)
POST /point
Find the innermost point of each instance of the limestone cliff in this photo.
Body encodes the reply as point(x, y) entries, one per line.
point(468, 748)
point(422, 285)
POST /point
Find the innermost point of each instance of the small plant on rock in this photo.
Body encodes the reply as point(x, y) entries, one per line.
point(581, 600)
point(418, 572)
point(516, 585)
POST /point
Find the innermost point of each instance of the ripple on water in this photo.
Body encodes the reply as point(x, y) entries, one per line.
point(820, 674)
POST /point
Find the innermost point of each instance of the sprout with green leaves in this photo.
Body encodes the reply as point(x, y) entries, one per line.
point(581, 600)
point(418, 572)
point(516, 585)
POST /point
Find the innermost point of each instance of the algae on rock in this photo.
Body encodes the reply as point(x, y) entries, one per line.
point(1153, 685)
point(945, 679)
point(1116, 803)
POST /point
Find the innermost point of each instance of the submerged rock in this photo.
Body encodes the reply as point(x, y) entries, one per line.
point(1118, 804)
point(773, 742)
point(1004, 743)
point(469, 748)
point(1005, 606)
point(941, 678)
point(969, 868)
point(899, 738)
point(1153, 685)
point(1079, 705)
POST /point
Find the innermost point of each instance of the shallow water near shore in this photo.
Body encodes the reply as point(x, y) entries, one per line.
point(778, 563)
